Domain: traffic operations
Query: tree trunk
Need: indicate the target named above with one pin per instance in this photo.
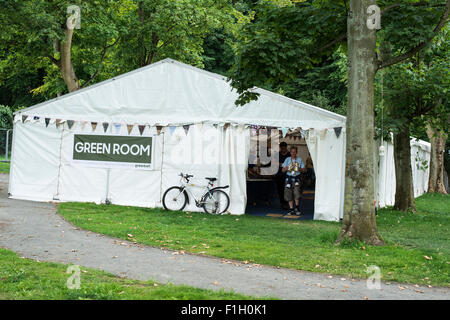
(404, 188)
(65, 63)
(436, 179)
(359, 209)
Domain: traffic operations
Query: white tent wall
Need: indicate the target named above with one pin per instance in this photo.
(420, 158)
(35, 162)
(328, 155)
(420, 164)
(385, 187)
(86, 183)
(207, 151)
(43, 170)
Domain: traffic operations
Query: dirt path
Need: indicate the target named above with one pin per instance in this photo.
(35, 231)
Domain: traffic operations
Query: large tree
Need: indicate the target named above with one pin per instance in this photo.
(43, 33)
(286, 39)
(173, 28)
(416, 95)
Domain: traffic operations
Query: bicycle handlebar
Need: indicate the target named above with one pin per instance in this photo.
(186, 176)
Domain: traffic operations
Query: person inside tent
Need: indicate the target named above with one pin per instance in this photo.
(293, 166)
(310, 171)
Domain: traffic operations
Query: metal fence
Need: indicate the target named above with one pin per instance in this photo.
(5, 144)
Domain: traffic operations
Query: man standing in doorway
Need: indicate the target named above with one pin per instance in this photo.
(293, 166)
(281, 176)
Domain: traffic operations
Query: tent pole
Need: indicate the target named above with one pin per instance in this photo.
(162, 163)
(56, 197)
(107, 200)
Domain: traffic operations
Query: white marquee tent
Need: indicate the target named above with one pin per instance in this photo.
(195, 128)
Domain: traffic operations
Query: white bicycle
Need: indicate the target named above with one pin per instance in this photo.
(213, 201)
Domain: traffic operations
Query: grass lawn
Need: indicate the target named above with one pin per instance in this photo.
(4, 167)
(28, 279)
(417, 250)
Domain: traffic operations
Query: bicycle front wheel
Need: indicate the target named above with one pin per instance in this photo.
(175, 199)
(216, 202)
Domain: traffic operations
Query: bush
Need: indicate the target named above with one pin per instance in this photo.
(6, 117)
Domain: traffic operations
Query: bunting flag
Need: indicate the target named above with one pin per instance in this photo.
(83, 124)
(141, 129)
(117, 126)
(93, 125)
(58, 122)
(36, 118)
(105, 126)
(24, 118)
(284, 131)
(158, 129)
(47, 121)
(226, 126)
(303, 133)
(172, 129)
(337, 131)
(129, 128)
(70, 123)
(186, 129)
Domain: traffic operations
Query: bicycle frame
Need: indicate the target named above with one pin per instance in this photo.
(186, 186)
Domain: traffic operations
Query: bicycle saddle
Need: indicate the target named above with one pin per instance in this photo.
(211, 179)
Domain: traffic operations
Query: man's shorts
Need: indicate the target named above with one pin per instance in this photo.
(292, 193)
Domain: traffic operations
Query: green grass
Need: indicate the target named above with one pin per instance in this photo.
(305, 245)
(28, 279)
(4, 166)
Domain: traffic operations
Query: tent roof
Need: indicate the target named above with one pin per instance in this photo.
(169, 92)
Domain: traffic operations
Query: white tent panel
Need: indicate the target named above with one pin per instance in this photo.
(328, 154)
(420, 164)
(420, 159)
(35, 162)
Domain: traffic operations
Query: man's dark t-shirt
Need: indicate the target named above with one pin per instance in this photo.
(281, 159)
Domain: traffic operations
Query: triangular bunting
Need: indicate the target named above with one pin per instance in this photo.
(226, 126)
(337, 131)
(47, 121)
(141, 129)
(284, 131)
(303, 133)
(93, 125)
(186, 129)
(36, 118)
(129, 128)
(83, 124)
(24, 118)
(70, 123)
(105, 126)
(158, 129)
(117, 127)
(172, 129)
(58, 123)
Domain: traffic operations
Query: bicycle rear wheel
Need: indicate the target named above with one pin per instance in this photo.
(216, 202)
(175, 199)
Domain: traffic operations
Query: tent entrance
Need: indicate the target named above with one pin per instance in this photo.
(264, 191)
